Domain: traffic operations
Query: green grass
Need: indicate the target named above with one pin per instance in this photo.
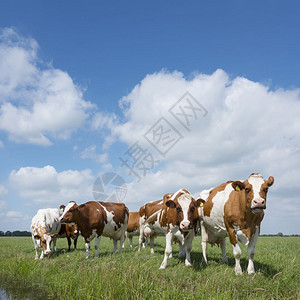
(133, 275)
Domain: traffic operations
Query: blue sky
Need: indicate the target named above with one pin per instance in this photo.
(77, 60)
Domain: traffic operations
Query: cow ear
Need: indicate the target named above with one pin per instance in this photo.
(167, 197)
(238, 186)
(270, 181)
(170, 204)
(62, 207)
(199, 202)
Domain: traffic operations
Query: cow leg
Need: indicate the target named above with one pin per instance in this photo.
(237, 252)
(152, 244)
(204, 239)
(188, 248)
(42, 254)
(145, 244)
(115, 246)
(75, 242)
(54, 245)
(36, 247)
(141, 238)
(87, 249)
(251, 250)
(122, 240)
(223, 248)
(180, 238)
(69, 243)
(96, 245)
(130, 239)
(168, 250)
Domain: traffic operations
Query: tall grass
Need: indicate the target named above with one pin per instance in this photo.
(133, 275)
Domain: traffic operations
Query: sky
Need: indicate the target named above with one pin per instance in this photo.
(137, 99)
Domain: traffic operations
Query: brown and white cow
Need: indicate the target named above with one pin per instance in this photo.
(133, 228)
(44, 229)
(235, 209)
(148, 210)
(68, 231)
(95, 219)
(176, 217)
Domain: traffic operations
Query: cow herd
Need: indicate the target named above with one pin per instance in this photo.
(234, 209)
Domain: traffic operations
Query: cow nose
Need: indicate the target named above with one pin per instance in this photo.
(47, 252)
(259, 202)
(185, 225)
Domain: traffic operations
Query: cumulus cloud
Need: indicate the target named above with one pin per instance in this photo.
(47, 186)
(3, 204)
(37, 104)
(105, 123)
(248, 128)
(13, 214)
(90, 153)
(3, 190)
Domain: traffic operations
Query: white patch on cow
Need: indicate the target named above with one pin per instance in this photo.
(240, 236)
(215, 222)
(67, 208)
(111, 229)
(185, 201)
(204, 194)
(93, 235)
(98, 209)
(175, 194)
(256, 180)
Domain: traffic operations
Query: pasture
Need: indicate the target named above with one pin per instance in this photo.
(133, 275)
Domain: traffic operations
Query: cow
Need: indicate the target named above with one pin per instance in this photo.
(145, 226)
(133, 227)
(68, 231)
(176, 216)
(44, 227)
(95, 219)
(235, 209)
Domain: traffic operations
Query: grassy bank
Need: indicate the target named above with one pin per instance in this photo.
(133, 275)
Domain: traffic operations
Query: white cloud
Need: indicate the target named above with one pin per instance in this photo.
(3, 204)
(105, 121)
(13, 214)
(45, 186)
(37, 104)
(248, 128)
(3, 190)
(90, 152)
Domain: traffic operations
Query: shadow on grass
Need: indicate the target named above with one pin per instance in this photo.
(266, 269)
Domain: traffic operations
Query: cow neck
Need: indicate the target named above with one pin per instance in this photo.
(163, 219)
(250, 217)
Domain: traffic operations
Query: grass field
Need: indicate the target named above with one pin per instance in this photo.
(133, 275)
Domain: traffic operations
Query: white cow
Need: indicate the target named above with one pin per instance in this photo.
(44, 228)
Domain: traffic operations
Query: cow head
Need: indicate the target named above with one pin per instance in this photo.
(44, 240)
(69, 213)
(182, 210)
(73, 230)
(255, 189)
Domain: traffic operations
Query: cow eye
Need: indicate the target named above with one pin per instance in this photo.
(178, 209)
(247, 190)
(192, 209)
(44, 242)
(266, 190)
